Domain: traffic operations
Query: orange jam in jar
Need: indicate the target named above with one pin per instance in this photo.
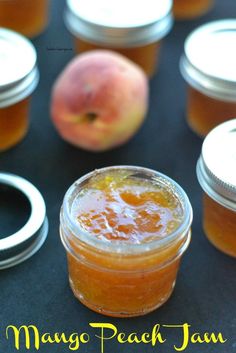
(18, 79)
(190, 9)
(204, 112)
(208, 66)
(28, 17)
(13, 124)
(110, 26)
(125, 230)
(216, 172)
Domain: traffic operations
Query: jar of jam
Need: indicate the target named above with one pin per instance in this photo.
(190, 9)
(208, 66)
(18, 78)
(216, 171)
(133, 28)
(28, 17)
(125, 230)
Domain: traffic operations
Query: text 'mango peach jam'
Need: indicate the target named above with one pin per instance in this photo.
(28, 17)
(125, 230)
(208, 66)
(216, 171)
(190, 9)
(133, 28)
(18, 78)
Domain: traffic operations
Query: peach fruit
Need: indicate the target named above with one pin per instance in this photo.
(100, 100)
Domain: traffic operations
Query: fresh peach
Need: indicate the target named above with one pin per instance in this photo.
(100, 100)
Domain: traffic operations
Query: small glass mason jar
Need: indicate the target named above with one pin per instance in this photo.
(190, 9)
(18, 78)
(216, 171)
(24, 16)
(208, 66)
(119, 278)
(133, 28)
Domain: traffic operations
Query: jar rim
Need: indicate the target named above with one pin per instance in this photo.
(196, 66)
(118, 246)
(115, 34)
(23, 244)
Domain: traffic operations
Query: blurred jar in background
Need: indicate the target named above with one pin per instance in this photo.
(189, 9)
(133, 28)
(216, 171)
(28, 17)
(18, 78)
(209, 67)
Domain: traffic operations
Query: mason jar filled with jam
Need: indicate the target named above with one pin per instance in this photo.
(133, 28)
(191, 9)
(216, 171)
(208, 67)
(28, 17)
(18, 78)
(125, 230)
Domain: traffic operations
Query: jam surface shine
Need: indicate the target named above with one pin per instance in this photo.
(116, 207)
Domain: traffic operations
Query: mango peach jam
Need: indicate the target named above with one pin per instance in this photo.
(216, 172)
(208, 67)
(110, 26)
(125, 230)
(18, 79)
(28, 17)
(186, 10)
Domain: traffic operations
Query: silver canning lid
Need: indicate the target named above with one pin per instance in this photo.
(216, 167)
(208, 63)
(19, 75)
(119, 23)
(20, 246)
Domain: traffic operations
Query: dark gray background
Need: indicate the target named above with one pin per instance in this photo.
(37, 292)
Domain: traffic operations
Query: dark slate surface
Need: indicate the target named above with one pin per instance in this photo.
(37, 292)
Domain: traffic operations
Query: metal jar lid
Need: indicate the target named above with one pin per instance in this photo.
(216, 167)
(20, 246)
(119, 23)
(19, 75)
(208, 62)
